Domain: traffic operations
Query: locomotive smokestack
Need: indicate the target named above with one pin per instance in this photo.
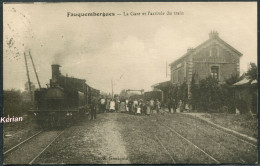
(55, 73)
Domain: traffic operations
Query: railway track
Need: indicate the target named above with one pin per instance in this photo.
(205, 132)
(224, 132)
(181, 136)
(155, 141)
(212, 144)
(31, 148)
(31, 162)
(169, 154)
(158, 141)
(21, 143)
(239, 154)
(232, 135)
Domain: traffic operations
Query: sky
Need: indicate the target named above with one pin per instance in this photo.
(130, 50)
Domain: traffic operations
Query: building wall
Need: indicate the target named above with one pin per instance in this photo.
(226, 62)
(202, 61)
(179, 72)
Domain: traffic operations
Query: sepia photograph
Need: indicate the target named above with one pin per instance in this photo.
(130, 83)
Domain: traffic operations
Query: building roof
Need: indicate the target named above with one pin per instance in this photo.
(245, 81)
(212, 36)
(162, 85)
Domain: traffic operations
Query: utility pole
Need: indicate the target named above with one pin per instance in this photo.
(166, 70)
(35, 70)
(29, 82)
(112, 88)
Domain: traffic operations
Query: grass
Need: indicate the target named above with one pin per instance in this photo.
(243, 123)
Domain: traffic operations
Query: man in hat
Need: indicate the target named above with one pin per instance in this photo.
(93, 110)
(158, 106)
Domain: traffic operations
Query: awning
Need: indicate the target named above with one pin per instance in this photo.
(162, 85)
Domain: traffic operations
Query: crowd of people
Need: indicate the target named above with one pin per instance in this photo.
(131, 106)
(134, 106)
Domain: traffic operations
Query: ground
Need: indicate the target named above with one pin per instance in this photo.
(165, 138)
(15, 133)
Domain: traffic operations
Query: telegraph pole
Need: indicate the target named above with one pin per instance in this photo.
(35, 70)
(166, 70)
(112, 88)
(29, 82)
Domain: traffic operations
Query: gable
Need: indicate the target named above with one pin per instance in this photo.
(214, 39)
(218, 46)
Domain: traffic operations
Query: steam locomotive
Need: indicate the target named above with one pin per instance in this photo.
(66, 98)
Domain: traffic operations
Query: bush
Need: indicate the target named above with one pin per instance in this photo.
(210, 94)
(242, 106)
(195, 92)
(179, 92)
(14, 105)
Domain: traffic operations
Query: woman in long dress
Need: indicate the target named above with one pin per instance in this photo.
(126, 105)
(135, 104)
(107, 105)
(148, 108)
(112, 106)
(139, 107)
(122, 106)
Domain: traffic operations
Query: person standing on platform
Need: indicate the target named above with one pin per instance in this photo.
(135, 104)
(107, 104)
(126, 105)
(174, 105)
(129, 105)
(139, 108)
(158, 106)
(148, 108)
(93, 111)
(180, 106)
(152, 104)
(122, 105)
(169, 104)
(112, 106)
(102, 104)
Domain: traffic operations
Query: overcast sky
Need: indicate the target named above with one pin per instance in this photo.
(131, 50)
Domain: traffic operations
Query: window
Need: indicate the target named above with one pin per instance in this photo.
(215, 72)
(214, 51)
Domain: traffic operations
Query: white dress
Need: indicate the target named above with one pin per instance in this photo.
(138, 110)
(112, 105)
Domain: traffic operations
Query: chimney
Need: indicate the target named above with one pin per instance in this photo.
(213, 34)
(55, 73)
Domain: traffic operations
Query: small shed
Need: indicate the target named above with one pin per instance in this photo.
(246, 95)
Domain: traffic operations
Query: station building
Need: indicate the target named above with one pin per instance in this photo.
(213, 57)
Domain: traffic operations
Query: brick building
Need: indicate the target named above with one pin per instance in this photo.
(214, 57)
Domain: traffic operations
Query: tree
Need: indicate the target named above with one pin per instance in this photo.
(27, 88)
(210, 94)
(123, 93)
(251, 74)
(233, 79)
(12, 102)
(195, 93)
(26, 94)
